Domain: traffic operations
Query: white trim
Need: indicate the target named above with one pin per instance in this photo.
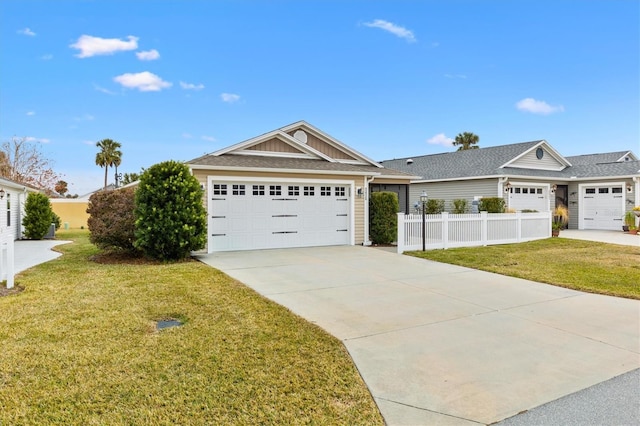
(278, 170)
(274, 154)
(558, 179)
(231, 179)
(581, 187)
(555, 154)
(629, 154)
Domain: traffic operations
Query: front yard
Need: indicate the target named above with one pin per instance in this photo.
(79, 346)
(581, 265)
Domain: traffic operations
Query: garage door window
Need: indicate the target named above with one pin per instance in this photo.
(325, 191)
(294, 191)
(258, 189)
(219, 189)
(603, 190)
(309, 191)
(616, 190)
(275, 190)
(238, 190)
(340, 191)
(590, 191)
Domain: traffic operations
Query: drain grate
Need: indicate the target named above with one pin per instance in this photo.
(162, 324)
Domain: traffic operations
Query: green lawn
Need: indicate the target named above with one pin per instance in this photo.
(79, 346)
(582, 265)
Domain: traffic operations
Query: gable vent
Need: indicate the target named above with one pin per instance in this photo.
(410, 161)
(300, 135)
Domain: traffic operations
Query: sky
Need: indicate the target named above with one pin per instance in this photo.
(173, 80)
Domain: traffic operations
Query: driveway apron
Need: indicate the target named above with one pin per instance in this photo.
(442, 344)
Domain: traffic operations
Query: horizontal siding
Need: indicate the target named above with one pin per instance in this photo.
(450, 191)
(530, 161)
(273, 145)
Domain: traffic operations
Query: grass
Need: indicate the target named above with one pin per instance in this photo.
(79, 346)
(581, 265)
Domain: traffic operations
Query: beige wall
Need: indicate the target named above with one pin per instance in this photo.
(71, 211)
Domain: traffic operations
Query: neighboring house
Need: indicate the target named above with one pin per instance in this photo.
(12, 198)
(596, 188)
(292, 187)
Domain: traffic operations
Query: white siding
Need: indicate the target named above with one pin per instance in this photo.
(530, 161)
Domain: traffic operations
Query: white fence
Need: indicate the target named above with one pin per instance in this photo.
(7, 263)
(467, 230)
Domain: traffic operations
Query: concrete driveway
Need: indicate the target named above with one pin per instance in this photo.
(441, 344)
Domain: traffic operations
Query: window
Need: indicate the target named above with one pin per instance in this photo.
(538, 190)
(258, 189)
(340, 191)
(309, 191)
(294, 191)
(219, 189)
(603, 190)
(8, 209)
(238, 189)
(275, 190)
(590, 191)
(518, 190)
(525, 190)
(616, 190)
(325, 191)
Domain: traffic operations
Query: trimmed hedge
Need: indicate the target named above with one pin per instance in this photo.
(170, 216)
(38, 216)
(111, 221)
(492, 205)
(434, 206)
(383, 214)
(460, 206)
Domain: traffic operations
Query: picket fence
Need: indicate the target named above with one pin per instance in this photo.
(447, 230)
(7, 264)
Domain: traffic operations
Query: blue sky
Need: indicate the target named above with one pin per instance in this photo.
(177, 79)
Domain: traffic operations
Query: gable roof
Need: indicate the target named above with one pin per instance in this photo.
(499, 161)
(285, 150)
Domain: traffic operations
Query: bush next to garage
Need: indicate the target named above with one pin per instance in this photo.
(434, 206)
(38, 216)
(460, 206)
(170, 216)
(491, 205)
(383, 213)
(111, 220)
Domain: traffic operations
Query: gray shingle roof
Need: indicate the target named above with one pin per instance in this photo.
(301, 164)
(488, 161)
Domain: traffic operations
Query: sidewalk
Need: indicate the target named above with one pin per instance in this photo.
(611, 237)
(30, 253)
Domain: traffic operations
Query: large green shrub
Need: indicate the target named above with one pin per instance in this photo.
(434, 206)
(491, 205)
(111, 219)
(383, 214)
(170, 216)
(38, 216)
(460, 206)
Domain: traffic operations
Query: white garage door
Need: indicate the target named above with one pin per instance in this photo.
(602, 207)
(261, 215)
(528, 198)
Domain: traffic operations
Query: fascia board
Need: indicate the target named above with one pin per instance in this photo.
(277, 170)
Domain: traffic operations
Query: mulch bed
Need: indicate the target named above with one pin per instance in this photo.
(9, 291)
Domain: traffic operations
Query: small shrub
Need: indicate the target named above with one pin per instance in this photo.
(38, 215)
(111, 220)
(434, 206)
(383, 209)
(491, 205)
(170, 217)
(460, 206)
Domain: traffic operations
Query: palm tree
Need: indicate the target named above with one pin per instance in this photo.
(466, 140)
(109, 156)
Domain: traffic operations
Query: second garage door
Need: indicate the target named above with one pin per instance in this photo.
(602, 207)
(261, 215)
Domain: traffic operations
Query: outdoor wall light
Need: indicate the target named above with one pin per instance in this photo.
(629, 188)
(553, 188)
(1, 193)
(507, 187)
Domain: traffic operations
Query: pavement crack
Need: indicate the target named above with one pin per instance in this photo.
(430, 411)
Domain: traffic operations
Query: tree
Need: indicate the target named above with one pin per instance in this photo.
(466, 140)
(38, 216)
(383, 213)
(61, 187)
(109, 156)
(131, 177)
(22, 161)
(112, 221)
(170, 217)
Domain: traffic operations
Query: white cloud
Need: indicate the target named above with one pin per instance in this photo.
(440, 139)
(47, 57)
(191, 86)
(143, 81)
(31, 113)
(538, 107)
(41, 140)
(27, 32)
(392, 28)
(103, 90)
(92, 46)
(148, 55)
(229, 97)
(90, 143)
(208, 138)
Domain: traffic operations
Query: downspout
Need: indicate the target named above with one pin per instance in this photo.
(367, 241)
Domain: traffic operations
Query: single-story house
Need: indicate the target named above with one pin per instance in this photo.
(596, 188)
(295, 186)
(12, 198)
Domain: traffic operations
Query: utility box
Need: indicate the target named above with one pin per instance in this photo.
(52, 232)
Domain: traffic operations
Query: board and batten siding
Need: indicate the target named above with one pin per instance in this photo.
(274, 145)
(530, 161)
(452, 190)
(358, 181)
